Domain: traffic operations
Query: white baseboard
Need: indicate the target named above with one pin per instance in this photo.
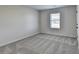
(17, 39)
(61, 35)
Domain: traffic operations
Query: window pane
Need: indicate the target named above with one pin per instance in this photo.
(54, 25)
(55, 20)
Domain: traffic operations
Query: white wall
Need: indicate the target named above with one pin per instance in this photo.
(68, 22)
(17, 22)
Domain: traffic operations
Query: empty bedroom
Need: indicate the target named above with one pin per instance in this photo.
(39, 29)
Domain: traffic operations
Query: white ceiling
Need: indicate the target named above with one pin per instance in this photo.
(43, 7)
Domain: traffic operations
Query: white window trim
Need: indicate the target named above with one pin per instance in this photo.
(51, 20)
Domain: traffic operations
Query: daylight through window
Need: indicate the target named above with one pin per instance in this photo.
(55, 20)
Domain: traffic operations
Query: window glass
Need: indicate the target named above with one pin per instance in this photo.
(55, 20)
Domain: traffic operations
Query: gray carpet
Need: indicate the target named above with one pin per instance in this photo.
(42, 44)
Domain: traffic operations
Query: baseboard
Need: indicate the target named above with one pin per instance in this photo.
(17, 39)
(58, 35)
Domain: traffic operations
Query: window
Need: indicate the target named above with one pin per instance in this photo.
(55, 20)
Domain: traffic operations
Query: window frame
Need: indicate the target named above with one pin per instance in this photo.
(51, 20)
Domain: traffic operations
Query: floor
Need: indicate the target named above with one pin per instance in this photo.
(42, 44)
